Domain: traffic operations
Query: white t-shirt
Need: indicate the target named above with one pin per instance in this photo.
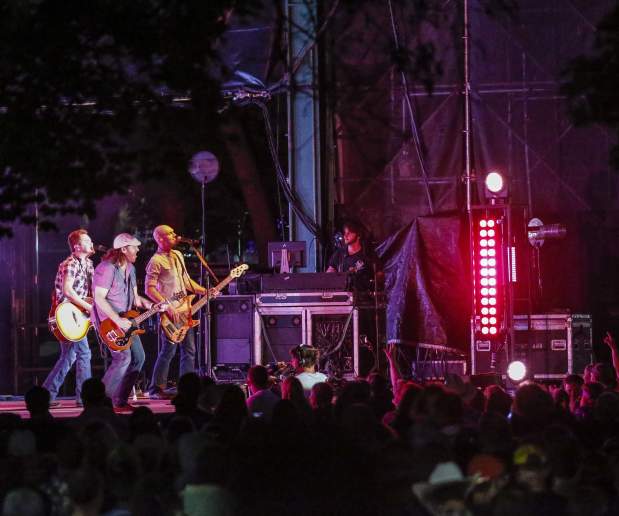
(308, 380)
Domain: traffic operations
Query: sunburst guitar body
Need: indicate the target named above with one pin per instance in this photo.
(176, 331)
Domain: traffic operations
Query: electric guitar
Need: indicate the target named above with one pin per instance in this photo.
(116, 338)
(67, 321)
(176, 332)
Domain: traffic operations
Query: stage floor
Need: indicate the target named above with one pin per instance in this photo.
(68, 409)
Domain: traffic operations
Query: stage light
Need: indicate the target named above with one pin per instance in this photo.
(516, 371)
(494, 182)
(495, 187)
(487, 268)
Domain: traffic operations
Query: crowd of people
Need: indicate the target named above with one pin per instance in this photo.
(369, 446)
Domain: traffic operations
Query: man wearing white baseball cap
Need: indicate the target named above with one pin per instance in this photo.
(115, 290)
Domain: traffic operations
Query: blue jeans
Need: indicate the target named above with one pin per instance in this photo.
(123, 372)
(167, 350)
(70, 352)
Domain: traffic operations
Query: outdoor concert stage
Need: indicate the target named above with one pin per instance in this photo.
(67, 408)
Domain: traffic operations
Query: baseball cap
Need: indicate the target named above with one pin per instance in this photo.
(125, 239)
(529, 456)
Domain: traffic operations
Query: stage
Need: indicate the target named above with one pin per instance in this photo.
(67, 408)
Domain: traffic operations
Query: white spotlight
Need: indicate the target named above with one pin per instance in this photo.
(516, 371)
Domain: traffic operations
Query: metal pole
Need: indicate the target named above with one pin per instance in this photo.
(204, 358)
(467, 111)
(467, 172)
(525, 112)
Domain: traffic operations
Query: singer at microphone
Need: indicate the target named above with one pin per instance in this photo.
(185, 240)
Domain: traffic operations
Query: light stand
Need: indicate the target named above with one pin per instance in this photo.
(204, 168)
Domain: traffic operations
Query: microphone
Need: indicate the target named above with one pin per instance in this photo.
(190, 241)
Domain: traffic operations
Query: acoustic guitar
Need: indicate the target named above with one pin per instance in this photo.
(67, 321)
(176, 332)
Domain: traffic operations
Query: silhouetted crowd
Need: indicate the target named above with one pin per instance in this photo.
(350, 449)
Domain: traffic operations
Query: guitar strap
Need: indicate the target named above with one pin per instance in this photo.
(184, 272)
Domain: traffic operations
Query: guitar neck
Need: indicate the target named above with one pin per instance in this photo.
(146, 315)
(221, 285)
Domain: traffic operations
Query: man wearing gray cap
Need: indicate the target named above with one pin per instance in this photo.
(115, 290)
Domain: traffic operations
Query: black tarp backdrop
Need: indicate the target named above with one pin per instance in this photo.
(427, 282)
(520, 126)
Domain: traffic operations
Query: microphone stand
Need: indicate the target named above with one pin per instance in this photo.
(207, 317)
(204, 359)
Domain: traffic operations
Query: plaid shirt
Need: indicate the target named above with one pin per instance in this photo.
(80, 275)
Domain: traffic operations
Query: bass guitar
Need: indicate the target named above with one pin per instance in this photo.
(176, 332)
(116, 338)
(67, 321)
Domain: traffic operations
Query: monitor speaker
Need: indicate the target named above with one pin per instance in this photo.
(280, 333)
(232, 320)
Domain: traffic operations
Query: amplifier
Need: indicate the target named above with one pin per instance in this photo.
(553, 345)
(308, 281)
(332, 328)
(321, 298)
(230, 373)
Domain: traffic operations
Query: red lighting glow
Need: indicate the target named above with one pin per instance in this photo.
(488, 276)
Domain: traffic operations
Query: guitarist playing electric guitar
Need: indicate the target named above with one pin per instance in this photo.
(116, 292)
(166, 277)
(73, 284)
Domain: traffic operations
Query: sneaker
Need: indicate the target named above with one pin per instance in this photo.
(170, 391)
(160, 395)
(125, 408)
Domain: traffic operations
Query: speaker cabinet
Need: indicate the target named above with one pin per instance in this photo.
(279, 330)
(334, 330)
(232, 319)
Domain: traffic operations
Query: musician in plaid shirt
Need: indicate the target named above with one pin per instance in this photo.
(73, 283)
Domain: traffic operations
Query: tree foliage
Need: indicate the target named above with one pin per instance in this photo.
(86, 96)
(592, 81)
